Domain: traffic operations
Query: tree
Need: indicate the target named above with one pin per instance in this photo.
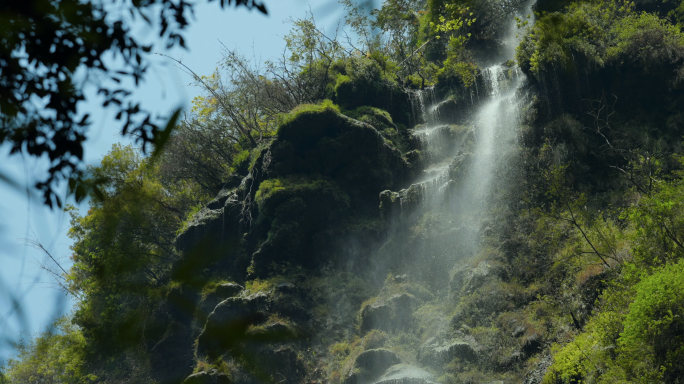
(54, 356)
(51, 49)
(123, 248)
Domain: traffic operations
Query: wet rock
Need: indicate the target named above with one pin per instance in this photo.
(510, 362)
(202, 224)
(220, 200)
(376, 361)
(518, 331)
(402, 203)
(232, 181)
(389, 314)
(376, 316)
(285, 287)
(457, 281)
(389, 205)
(370, 365)
(484, 272)
(368, 90)
(229, 321)
(404, 305)
(415, 159)
(181, 303)
(402, 278)
(353, 154)
(280, 364)
(274, 332)
(457, 320)
(276, 328)
(452, 111)
(460, 165)
(209, 377)
(301, 217)
(208, 303)
(435, 354)
(405, 374)
(440, 142)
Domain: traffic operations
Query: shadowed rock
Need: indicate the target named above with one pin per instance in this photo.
(393, 313)
(229, 321)
(227, 290)
(371, 364)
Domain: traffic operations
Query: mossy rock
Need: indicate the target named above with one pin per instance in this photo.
(228, 324)
(395, 134)
(389, 313)
(318, 140)
(300, 215)
(364, 85)
(376, 117)
(212, 236)
(371, 364)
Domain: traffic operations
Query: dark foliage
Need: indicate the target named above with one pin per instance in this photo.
(42, 45)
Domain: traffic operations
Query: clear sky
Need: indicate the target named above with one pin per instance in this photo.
(22, 215)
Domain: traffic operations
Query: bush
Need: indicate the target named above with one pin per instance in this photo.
(652, 344)
(601, 33)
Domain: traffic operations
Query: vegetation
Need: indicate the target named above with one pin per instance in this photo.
(43, 43)
(58, 355)
(255, 234)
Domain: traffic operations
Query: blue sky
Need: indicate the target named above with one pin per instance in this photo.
(22, 215)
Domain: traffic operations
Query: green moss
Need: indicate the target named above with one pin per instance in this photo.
(342, 358)
(271, 189)
(241, 163)
(307, 110)
(342, 81)
(263, 285)
(268, 188)
(604, 33)
(262, 330)
(376, 117)
(189, 218)
(210, 286)
(415, 82)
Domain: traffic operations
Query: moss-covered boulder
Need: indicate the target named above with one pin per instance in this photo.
(227, 325)
(361, 83)
(212, 236)
(319, 140)
(393, 309)
(396, 135)
(300, 215)
(371, 364)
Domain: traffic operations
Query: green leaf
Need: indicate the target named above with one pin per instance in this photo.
(161, 137)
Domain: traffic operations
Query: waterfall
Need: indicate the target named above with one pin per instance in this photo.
(468, 167)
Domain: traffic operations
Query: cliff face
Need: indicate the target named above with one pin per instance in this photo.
(457, 235)
(312, 269)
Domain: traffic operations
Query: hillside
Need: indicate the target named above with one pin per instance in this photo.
(474, 192)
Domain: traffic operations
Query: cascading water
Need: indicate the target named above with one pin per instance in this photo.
(467, 150)
(468, 166)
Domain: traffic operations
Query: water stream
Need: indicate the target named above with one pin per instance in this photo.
(468, 166)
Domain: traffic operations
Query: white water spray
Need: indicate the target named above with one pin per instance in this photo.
(476, 171)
